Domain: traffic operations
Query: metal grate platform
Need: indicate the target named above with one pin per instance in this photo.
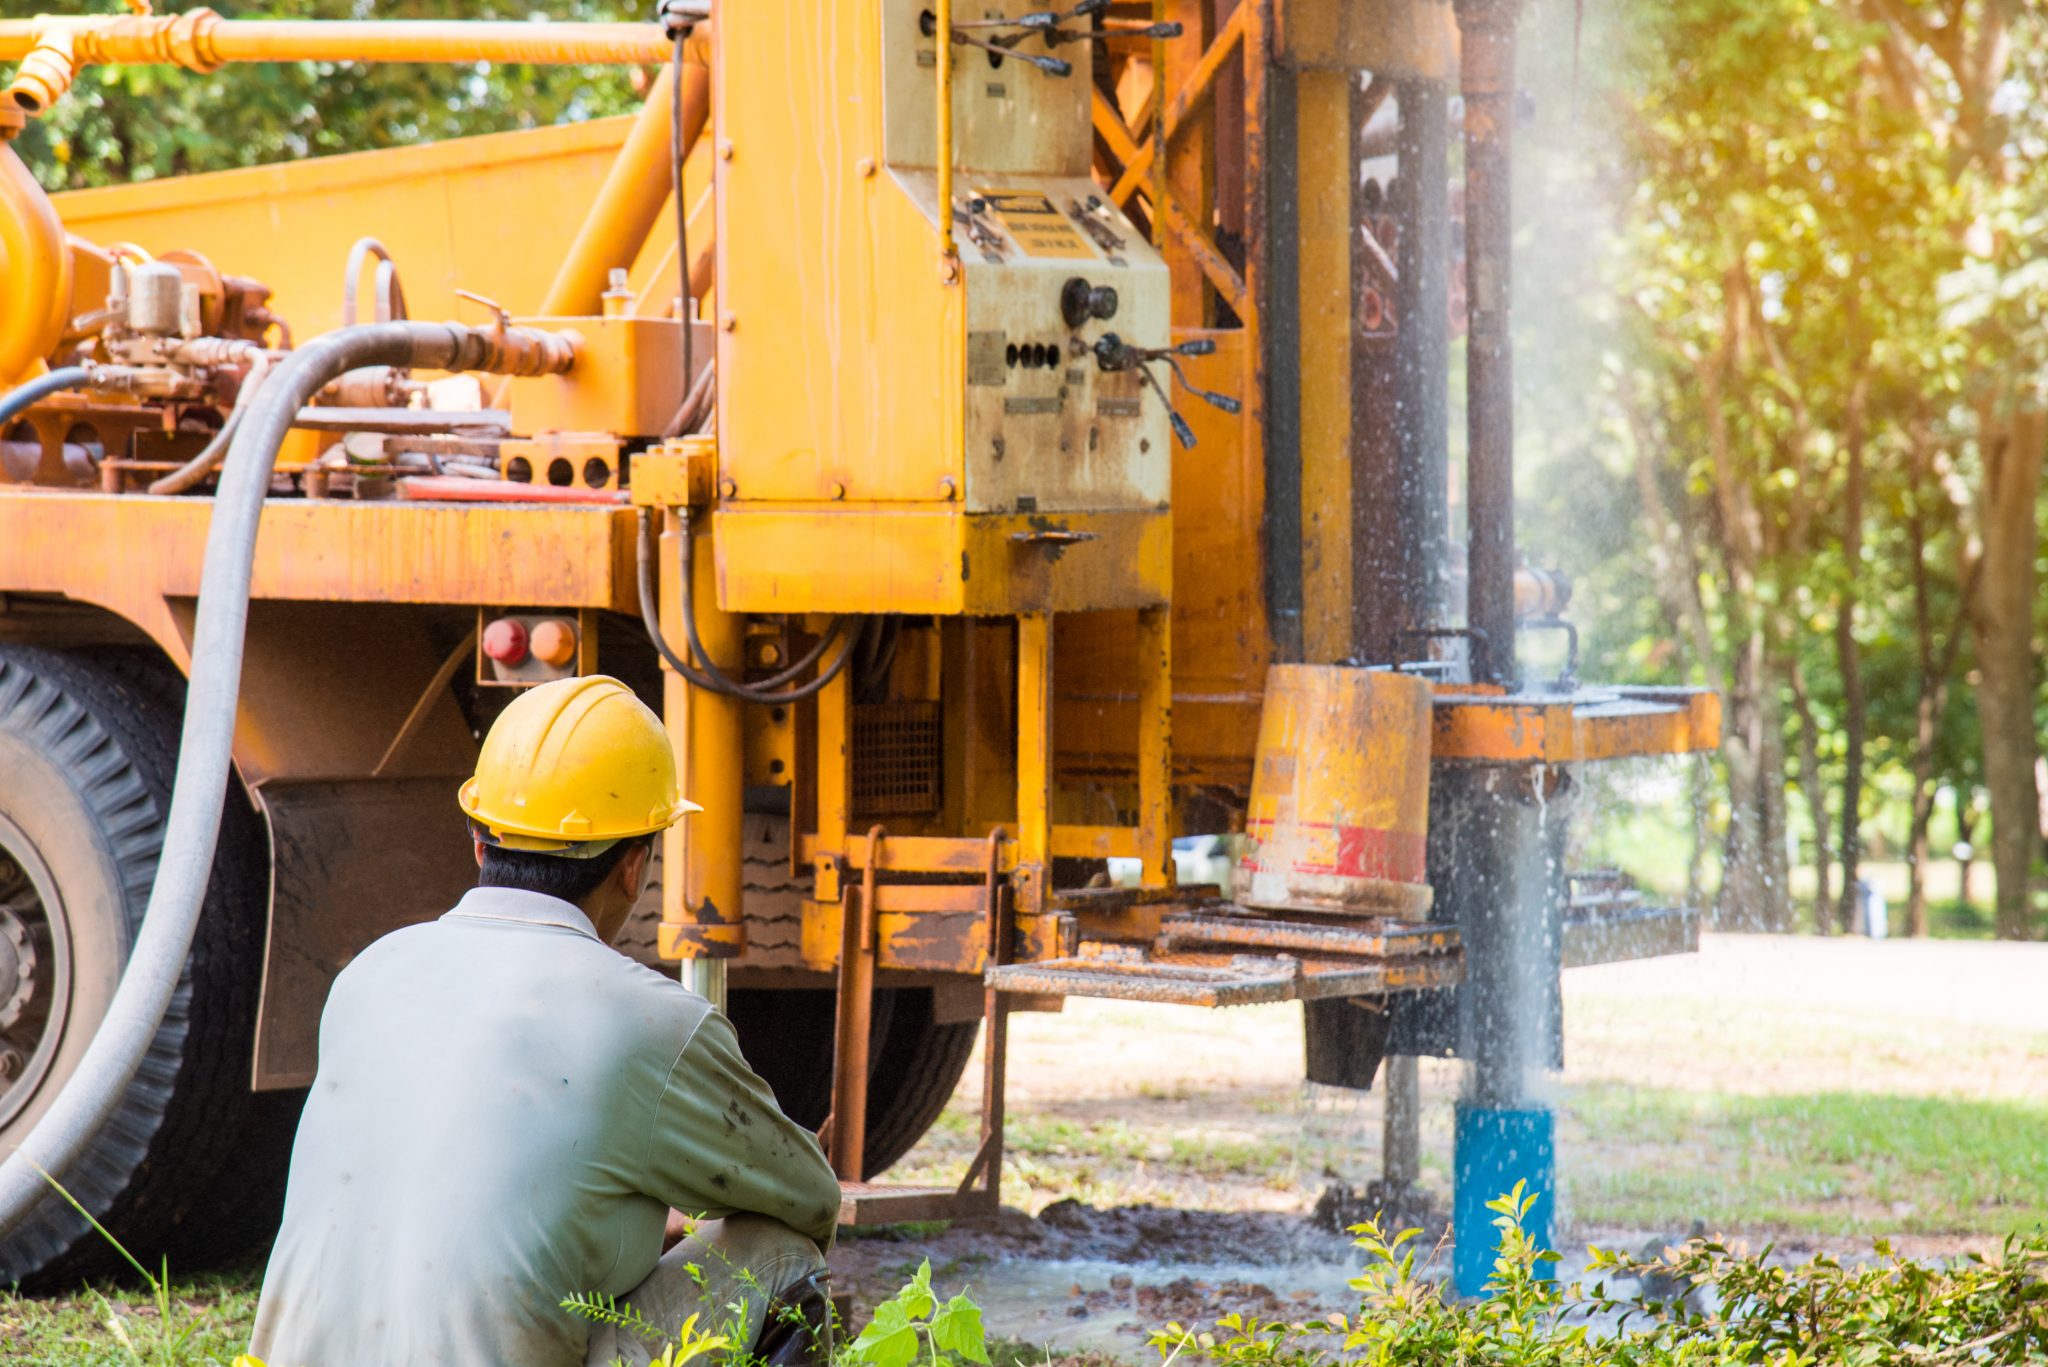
(876, 1203)
(1219, 954)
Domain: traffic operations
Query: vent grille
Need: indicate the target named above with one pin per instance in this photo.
(896, 749)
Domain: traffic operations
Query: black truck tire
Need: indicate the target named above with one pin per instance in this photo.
(914, 1061)
(190, 1165)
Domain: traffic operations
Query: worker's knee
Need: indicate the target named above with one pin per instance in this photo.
(775, 1255)
(751, 1279)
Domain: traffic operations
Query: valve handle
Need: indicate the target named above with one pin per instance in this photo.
(1113, 353)
(1051, 66)
(1208, 396)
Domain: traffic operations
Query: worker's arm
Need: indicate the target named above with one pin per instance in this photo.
(722, 1145)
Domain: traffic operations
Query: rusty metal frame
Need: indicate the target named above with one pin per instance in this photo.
(980, 1187)
(854, 1022)
(1138, 165)
(987, 1167)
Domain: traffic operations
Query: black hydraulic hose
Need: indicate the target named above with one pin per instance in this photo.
(205, 747)
(36, 390)
(737, 687)
(711, 678)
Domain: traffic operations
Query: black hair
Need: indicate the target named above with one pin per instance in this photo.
(572, 880)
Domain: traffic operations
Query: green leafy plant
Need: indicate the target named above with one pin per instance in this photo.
(913, 1325)
(688, 1344)
(1700, 1304)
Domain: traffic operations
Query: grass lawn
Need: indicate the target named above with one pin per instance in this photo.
(119, 1326)
(1833, 1164)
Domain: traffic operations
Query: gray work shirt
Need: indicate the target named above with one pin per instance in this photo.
(505, 1111)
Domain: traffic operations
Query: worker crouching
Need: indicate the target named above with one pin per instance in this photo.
(508, 1112)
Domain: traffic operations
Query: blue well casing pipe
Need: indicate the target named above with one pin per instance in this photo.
(1496, 1149)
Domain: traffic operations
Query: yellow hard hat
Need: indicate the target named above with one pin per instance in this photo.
(574, 763)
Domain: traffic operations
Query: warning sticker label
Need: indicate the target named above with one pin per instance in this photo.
(1039, 228)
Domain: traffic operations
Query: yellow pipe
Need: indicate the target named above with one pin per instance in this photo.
(629, 203)
(200, 40)
(714, 762)
(35, 270)
(943, 29)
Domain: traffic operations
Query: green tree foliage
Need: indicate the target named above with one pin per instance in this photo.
(1828, 317)
(123, 124)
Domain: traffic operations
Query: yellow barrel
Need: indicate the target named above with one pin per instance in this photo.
(1339, 818)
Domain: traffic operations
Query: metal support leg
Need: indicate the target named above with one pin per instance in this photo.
(1034, 760)
(1401, 1152)
(987, 1168)
(701, 913)
(855, 1020)
(835, 783)
(1508, 900)
(1155, 746)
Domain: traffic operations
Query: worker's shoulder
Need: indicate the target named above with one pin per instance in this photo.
(654, 991)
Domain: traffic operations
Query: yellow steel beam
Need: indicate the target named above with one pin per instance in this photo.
(340, 551)
(1327, 233)
(627, 206)
(1155, 746)
(894, 557)
(1600, 724)
(1110, 125)
(1034, 740)
(969, 854)
(1207, 255)
(834, 782)
(1188, 99)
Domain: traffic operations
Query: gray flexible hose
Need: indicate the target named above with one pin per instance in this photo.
(194, 471)
(205, 749)
(36, 390)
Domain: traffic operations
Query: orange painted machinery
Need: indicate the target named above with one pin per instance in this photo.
(950, 421)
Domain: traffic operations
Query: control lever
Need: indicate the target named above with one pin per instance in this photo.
(1197, 346)
(1055, 37)
(968, 213)
(1113, 353)
(928, 25)
(1048, 25)
(1048, 22)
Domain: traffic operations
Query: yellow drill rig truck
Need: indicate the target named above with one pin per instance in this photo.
(999, 440)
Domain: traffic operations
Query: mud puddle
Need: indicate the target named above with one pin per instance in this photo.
(1076, 1279)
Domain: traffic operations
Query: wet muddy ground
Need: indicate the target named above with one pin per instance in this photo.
(1165, 1164)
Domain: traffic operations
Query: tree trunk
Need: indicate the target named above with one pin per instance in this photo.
(1816, 793)
(1774, 913)
(1699, 785)
(1937, 667)
(2003, 622)
(1849, 658)
(1916, 853)
(1752, 870)
(1739, 906)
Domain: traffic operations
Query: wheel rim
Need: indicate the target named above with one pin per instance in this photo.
(35, 971)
